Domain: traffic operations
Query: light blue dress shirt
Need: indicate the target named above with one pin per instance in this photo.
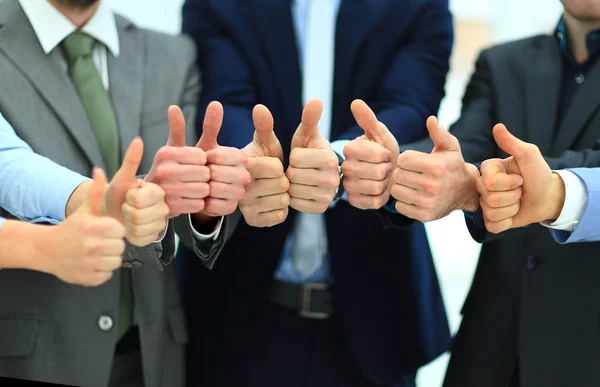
(286, 271)
(32, 187)
(587, 228)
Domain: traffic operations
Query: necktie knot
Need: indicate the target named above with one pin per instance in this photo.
(77, 45)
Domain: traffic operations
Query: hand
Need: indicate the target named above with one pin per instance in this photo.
(430, 186)
(228, 174)
(266, 201)
(180, 170)
(136, 204)
(369, 160)
(86, 248)
(519, 190)
(314, 167)
(145, 213)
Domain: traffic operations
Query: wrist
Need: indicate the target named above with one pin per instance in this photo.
(469, 200)
(25, 246)
(556, 200)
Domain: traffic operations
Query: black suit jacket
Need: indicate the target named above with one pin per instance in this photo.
(392, 54)
(532, 301)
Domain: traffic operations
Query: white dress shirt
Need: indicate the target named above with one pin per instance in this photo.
(52, 27)
(576, 199)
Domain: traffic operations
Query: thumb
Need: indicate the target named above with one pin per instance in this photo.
(264, 134)
(509, 143)
(96, 192)
(367, 120)
(213, 120)
(309, 126)
(131, 163)
(176, 126)
(442, 139)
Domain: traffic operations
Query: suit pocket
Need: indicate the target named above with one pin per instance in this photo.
(177, 325)
(18, 335)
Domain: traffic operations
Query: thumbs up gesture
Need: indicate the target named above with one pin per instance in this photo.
(87, 247)
(314, 167)
(369, 160)
(140, 206)
(266, 201)
(180, 170)
(519, 190)
(228, 174)
(429, 186)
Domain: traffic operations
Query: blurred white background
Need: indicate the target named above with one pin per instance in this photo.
(477, 24)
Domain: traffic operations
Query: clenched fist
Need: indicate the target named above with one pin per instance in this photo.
(369, 161)
(519, 190)
(313, 173)
(86, 248)
(266, 201)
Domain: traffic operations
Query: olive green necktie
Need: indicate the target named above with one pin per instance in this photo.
(99, 109)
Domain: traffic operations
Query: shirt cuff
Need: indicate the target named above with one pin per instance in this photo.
(576, 199)
(161, 236)
(60, 195)
(338, 147)
(203, 237)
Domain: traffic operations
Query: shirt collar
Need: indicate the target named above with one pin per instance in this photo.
(592, 42)
(52, 27)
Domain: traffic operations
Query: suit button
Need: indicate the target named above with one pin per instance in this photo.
(105, 323)
(532, 262)
(137, 264)
(127, 265)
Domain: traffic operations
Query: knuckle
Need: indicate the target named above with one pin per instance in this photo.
(284, 184)
(347, 168)
(294, 157)
(437, 171)
(432, 187)
(285, 200)
(490, 181)
(332, 162)
(381, 171)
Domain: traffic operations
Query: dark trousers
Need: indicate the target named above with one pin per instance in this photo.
(127, 368)
(291, 351)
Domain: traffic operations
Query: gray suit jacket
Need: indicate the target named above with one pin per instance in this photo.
(50, 330)
(533, 303)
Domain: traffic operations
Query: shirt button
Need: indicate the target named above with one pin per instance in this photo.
(560, 35)
(579, 78)
(105, 323)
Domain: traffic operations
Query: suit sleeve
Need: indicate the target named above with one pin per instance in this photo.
(413, 85)
(226, 75)
(207, 250)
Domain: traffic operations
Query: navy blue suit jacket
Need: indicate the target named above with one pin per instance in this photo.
(395, 56)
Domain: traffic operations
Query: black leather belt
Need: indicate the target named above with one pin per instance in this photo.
(312, 301)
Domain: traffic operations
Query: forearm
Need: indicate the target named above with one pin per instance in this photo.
(77, 198)
(22, 245)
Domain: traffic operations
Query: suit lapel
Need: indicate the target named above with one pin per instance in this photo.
(21, 46)
(542, 88)
(275, 27)
(355, 20)
(585, 102)
(126, 82)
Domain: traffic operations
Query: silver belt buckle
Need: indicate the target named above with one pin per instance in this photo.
(306, 301)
